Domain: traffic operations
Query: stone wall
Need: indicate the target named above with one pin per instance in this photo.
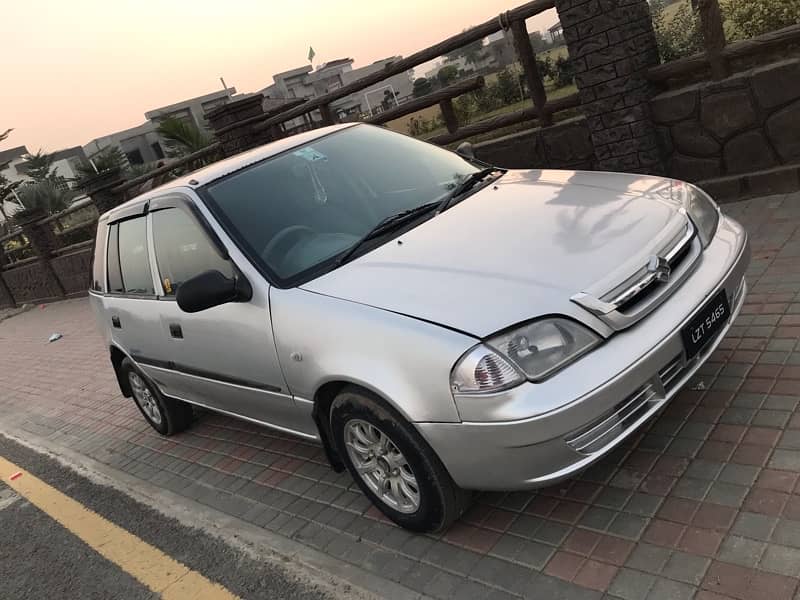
(747, 123)
(566, 145)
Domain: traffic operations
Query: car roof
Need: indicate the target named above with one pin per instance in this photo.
(226, 166)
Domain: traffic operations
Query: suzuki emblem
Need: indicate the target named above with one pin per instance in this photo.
(659, 266)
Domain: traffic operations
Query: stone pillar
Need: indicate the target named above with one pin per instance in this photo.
(611, 44)
(233, 124)
(43, 242)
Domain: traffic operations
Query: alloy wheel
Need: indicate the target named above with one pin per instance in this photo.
(382, 466)
(144, 398)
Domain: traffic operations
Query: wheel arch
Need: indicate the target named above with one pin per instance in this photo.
(323, 399)
(117, 356)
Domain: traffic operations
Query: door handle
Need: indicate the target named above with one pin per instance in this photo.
(116, 322)
(175, 330)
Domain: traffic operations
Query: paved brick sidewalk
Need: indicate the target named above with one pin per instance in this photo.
(705, 504)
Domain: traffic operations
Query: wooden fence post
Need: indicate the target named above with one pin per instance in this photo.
(449, 114)
(522, 43)
(713, 37)
(328, 116)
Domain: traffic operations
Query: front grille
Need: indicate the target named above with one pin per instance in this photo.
(641, 292)
(614, 423)
(655, 286)
(671, 374)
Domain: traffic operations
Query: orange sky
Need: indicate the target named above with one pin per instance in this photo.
(76, 70)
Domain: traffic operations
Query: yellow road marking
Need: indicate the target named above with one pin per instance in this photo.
(153, 568)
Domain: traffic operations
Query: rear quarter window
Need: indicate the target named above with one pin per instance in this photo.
(98, 266)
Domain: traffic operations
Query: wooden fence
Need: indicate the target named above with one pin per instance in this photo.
(718, 54)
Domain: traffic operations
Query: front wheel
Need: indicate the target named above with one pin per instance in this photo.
(393, 465)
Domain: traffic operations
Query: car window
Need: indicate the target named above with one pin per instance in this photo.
(98, 281)
(305, 206)
(114, 274)
(133, 261)
(183, 250)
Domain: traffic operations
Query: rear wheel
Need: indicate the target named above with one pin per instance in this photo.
(392, 464)
(165, 415)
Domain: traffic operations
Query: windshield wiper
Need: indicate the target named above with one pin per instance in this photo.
(469, 182)
(388, 224)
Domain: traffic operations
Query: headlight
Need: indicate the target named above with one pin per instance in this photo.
(702, 210)
(537, 350)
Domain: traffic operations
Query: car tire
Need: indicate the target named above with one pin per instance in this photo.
(399, 463)
(166, 415)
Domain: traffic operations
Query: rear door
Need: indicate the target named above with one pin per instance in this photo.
(223, 358)
(130, 306)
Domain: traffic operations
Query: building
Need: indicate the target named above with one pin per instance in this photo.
(556, 34)
(142, 144)
(305, 82)
(378, 97)
(14, 164)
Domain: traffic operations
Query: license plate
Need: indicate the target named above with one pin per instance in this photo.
(706, 324)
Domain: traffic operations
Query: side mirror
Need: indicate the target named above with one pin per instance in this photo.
(466, 150)
(210, 289)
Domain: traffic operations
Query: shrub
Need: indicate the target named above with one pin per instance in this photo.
(565, 72)
(679, 36)
(749, 18)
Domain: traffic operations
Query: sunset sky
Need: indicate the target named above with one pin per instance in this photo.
(73, 71)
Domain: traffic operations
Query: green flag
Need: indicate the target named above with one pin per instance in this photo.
(311, 54)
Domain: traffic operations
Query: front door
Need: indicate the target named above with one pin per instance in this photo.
(224, 357)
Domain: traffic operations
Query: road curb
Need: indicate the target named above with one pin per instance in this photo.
(338, 576)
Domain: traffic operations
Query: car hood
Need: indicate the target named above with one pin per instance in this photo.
(515, 250)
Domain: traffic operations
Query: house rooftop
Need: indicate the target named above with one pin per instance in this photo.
(11, 154)
(157, 112)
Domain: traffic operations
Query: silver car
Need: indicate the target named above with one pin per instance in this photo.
(438, 324)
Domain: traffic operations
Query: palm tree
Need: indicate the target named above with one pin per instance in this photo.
(108, 159)
(43, 196)
(181, 137)
(4, 135)
(39, 165)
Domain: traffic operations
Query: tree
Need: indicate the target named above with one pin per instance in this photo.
(546, 67)
(679, 36)
(181, 137)
(754, 17)
(508, 86)
(6, 189)
(44, 195)
(108, 159)
(471, 52)
(4, 135)
(447, 75)
(39, 165)
(565, 72)
(422, 87)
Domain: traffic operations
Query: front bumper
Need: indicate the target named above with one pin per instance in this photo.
(566, 436)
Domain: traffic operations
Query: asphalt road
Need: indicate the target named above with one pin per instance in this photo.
(41, 559)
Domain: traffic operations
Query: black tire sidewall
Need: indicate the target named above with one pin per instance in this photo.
(167, 425)
(432, 512)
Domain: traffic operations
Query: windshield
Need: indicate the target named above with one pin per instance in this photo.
(294, 213)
